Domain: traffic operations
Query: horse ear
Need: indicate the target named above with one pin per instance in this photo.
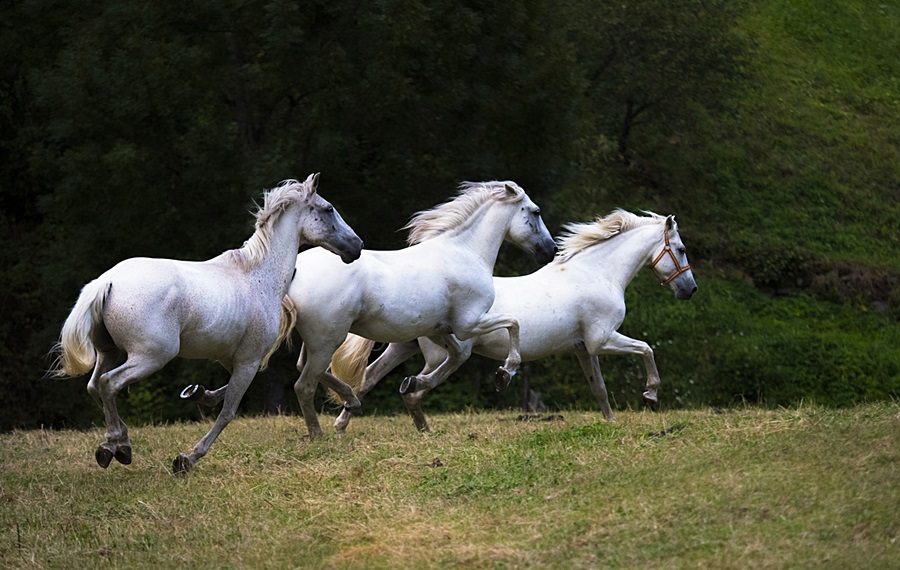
(511, 190)
(670, 223)
(314, 182)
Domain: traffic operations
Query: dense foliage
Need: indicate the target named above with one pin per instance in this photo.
(771, 130)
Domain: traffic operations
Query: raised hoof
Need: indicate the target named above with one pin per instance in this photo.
(353, 409)
(650, 402)
(193, 393)
(408, 385)
(182, 464)
(502, 379)
(103, 455)
(123, 454)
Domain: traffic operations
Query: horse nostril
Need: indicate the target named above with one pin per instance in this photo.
(694, 290)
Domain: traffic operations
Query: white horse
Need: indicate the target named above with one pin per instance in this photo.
(438, 287)
(132, 320)
(575, 304)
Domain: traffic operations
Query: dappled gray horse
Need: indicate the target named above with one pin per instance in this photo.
(132, 320)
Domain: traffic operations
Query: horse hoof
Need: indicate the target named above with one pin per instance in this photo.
(408, 385)
(123, 454)
(182, 464)
(193, 393)
(501, 379)
(650, 401)
(103, 455)
(353, 409)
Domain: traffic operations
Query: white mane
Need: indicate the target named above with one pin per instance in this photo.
(275, 201)
(580, 236)
(453, 213)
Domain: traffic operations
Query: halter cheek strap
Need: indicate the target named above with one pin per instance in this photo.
(678, 268)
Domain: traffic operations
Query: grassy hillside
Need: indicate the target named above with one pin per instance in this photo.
(789, 204)
(741, 488)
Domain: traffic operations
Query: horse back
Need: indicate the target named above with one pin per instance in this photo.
(195, 309)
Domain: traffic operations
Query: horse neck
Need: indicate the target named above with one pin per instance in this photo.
(485, 230)
(621, 258)
(277, 266)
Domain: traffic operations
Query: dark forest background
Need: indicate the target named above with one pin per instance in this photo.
(769, 128)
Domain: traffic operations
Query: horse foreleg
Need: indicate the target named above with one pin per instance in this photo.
(237, 385)
(413, 400)
(591, 367)
(312, 366)
(621, 344)
(352, 404)
(443, 356)
(198, 394)
(490, 323)
(393, 355)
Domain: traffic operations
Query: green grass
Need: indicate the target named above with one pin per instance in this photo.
(803, 487)
(820, 164)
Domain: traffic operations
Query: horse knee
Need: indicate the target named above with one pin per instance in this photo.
(305, 390)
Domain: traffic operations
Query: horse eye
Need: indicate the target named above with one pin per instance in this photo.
(537, 212)
(682, 251)
(329, 209)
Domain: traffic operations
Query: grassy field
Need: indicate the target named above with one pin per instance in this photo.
(804, 487)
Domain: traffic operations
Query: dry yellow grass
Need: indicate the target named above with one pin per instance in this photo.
(749, 488)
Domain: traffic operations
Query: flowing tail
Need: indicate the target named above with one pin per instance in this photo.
(286, 324)
(77, 353)
(349, 363)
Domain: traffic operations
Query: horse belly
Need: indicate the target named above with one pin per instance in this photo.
(543, 310)
(400, 324)
(536, 341)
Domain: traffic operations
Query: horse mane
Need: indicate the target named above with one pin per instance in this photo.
(275, 202)
(453, 213)
(580, 236)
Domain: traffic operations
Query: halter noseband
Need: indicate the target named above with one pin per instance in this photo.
(678, 268)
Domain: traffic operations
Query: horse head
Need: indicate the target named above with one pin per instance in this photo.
(527, 229)
(322, 225)
(671, 265)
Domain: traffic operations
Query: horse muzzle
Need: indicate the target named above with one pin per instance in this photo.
(348, 250)
(544, 253)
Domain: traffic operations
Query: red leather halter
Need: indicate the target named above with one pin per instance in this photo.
(678, 268)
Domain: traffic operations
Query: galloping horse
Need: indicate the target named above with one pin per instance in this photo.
(575, 304)
(132, 320)
(439, 287)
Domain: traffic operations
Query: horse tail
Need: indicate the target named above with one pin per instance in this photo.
(77, 353)
(286, 323)
(349, 361)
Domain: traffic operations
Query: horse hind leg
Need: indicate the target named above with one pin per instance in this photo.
(107, 360)
(107, 385)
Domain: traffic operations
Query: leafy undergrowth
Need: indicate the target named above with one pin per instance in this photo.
(741, 488)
